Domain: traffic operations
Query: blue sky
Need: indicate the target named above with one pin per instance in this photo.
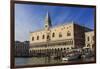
(30, 17)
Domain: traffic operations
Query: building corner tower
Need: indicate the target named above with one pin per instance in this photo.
(47, 22)
(47, 26)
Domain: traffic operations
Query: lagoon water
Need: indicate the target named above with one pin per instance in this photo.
(44, 60)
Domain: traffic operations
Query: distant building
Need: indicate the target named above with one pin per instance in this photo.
(58, 38)
(90, 40)
(21, 48)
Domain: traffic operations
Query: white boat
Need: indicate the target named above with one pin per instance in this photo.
(65, 59)
(72, 56)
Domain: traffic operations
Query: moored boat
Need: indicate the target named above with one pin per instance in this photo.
(72, 56)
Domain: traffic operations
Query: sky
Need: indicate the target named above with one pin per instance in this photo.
(29, 17)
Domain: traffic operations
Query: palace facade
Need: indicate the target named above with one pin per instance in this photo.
(53, 39)
(90, 40)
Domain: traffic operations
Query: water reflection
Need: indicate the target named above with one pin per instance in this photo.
(45, 60)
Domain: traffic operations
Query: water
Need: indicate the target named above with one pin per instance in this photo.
(44, 60)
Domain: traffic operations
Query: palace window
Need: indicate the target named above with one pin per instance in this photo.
(88, 45)
(88, 38)
(32, 38)
(48, 37)
(53, 35)
(60, 35)
(43, 37)
(68, 33)
(37, 37)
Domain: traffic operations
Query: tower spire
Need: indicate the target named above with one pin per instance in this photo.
(47, 21)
